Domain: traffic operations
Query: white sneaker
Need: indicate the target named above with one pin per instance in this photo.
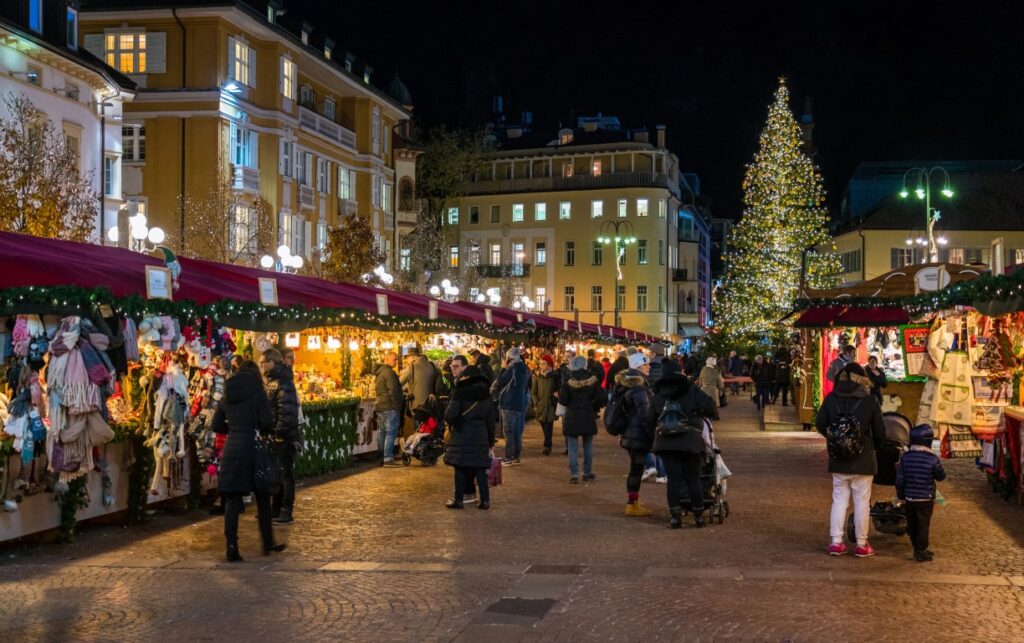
(469, 498)
(661, 479)
(649, 473)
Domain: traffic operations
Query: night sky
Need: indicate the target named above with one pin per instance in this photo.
(890, 80)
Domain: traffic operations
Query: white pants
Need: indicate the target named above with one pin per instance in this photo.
(843, 485)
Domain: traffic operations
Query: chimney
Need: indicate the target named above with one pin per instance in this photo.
(641, 135)
(661, 136)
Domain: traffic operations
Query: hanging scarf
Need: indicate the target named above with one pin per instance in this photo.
(99, 373)
(131, 340)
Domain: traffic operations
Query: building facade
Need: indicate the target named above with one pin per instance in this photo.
(41, 58)
(538, 227)
(245, 93)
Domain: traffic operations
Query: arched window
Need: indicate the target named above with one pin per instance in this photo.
(406, 199)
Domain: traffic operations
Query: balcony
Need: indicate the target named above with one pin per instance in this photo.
(577, 182)
(347, 207)
(313, 122)
(507, 270)
(306, 197)
(389, 221)
(245, 179)
(681, 274)
(407, 218)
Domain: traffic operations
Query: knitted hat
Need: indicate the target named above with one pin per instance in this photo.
(636, 360)
(550, 360)
(578, 363)
(922, 435)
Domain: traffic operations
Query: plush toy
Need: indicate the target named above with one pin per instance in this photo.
(171, 261)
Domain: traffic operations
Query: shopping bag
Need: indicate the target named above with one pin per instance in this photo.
(560, 410)
(494, 473)
(723, 471)
(266, 471)
(723, 400)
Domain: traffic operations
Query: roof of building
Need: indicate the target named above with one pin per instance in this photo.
(979, 202)
(547, 138)
(397, 90)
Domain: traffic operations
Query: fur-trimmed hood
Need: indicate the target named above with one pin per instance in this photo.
(473, 388)
(630, 378)
(673, 386)
(582, 379)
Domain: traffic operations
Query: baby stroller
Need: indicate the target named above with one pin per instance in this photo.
(712, 480)
(427, 444)
(888, 516)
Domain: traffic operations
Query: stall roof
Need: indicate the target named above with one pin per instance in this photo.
(839, 315)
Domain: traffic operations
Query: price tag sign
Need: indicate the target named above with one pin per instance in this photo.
(382, 304)
(519, 317)
(488, 317)
(158, 283)
(599, 329)
(432, 309)
(565, 325)
(268, 291)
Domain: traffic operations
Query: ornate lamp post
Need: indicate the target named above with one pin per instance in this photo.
(619, 233)
(923, 192)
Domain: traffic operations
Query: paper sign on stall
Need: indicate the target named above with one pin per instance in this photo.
(579, 327)
(599, 329)
(158, 283)
(432, 310)
(565, 325)
(268, 291)
(519, 317)
(382, 304)
(488, 317)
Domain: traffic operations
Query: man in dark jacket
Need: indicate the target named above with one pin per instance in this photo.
(483, 362)
(583, 397)
(637, 437)
(472, 417)
(764, 379)
(657, 361)
(852, 396)
(734, 369)
(284, 408)
(512, 390)
(418, 379)
(782, 376)
(915, 482)
(594, 366)
(388, 406)
(620, 364)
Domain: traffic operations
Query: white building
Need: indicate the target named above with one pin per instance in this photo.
(40, 58)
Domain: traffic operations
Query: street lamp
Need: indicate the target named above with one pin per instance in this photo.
(139, 233)
(285, 262)
(923, 191)
(619, 233)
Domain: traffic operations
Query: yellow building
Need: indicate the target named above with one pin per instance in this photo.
(982, 223)
(291, 121)
(537, 228)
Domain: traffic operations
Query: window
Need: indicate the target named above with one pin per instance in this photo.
(569, 301)
(661, 252)
(405, 259)
(286, 161)
(623, 206)
(564, 211)
(72, 35)
(570, 253)
(900, 257)
(242, 144)
(346, 179)
(304, 164)
(453, 257)
(641, 252)
(953, 255)
(540, 212)
(241, 239)
(595, 298)
(375, 129)
(375, 193)
(597, 253)
(641, 208)
(596, 209)
(109, 165)
(474, 214)
(850, 261)
(1017, 255)
(977, 255)
(474, 252)
(329, 109)
(621, 296)
(567, 169)
(453, 216)
(518, 254)
(126, 51)
(406, 195)
(595, 168)
(289, 78)
(541, 298)
(323, 176)
(321, 235)
(241, 61)
(495, 214)
(307, 97)
(71, 91)
(661, 208)
(133, 142)
(641, 298)
(495, 254)
(517, 212)
(661, 299)
(540, 254)
(73, 140)
(35, 15)
(385, 196)
(34, 75)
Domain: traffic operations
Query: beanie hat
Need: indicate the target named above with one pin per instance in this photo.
(578, 363)
(636, 360)
(922, 435)
(550, 360)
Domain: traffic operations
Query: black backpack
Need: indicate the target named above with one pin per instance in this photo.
(673, 421)
(615, 420)
(844, 435)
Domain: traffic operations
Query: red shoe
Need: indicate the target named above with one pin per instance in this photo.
(863, 551)
(836, 549)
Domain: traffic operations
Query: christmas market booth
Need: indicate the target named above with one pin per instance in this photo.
(953, 355)
(112, 363)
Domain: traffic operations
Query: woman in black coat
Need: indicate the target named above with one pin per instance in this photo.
(472, 417)
(682, 453)
(583, 397)
(243, 413)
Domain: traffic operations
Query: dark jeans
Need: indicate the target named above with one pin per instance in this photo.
(233, 507)
(548, 428)
(761, 395)
(784, 389)
(285, 498)
(919, 522)
(464, 477)
(683, 469)
(637, 461)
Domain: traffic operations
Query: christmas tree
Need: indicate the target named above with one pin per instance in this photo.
(783, 215)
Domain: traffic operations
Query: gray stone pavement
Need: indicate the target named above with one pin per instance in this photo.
(374, 555)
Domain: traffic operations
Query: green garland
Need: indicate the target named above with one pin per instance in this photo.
(138, 479)
(70, 502)
(331, 433)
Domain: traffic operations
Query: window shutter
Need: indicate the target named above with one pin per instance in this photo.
(231, 58)
(327, 178)
(254, 148)
(280, 75)
(308, 237)
(156, 52)
(251, 81)
(280, 156)
(93, 43)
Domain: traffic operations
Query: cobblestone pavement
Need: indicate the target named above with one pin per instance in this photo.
(374, 555)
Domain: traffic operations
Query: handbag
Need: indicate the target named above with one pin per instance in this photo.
(723, 400)
(494, 472)
(560, 410)
(266, 472)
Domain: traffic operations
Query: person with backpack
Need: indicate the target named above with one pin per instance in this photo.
(677, 421)
(583, 398)
(626, 417)
(851, 421)
(511, 389)
(915, 483)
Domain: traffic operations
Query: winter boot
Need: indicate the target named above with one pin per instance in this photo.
(698, 520)
(637, 510)
(233, 555)
(675, 517)
(285, 518)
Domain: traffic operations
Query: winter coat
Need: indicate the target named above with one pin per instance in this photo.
(637, 406)
(692, 400)
(657, 365)
(389, 390)
(595, 369)
(284, 403)
(542, 393)
(583, 397)
(782, 372)
(916, 474)
(620, 364)
(242, 413)
(762, 374)
(483, 362)
(711, 382)
(842, 399)
(472, 417)
(878, 382)
(512, 387)
(735, 366)
(418, 381)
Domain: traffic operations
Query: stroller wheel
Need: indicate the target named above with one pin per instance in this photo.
(406, 460)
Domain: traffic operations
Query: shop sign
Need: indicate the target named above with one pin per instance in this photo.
(565, 325)
(488, 317)
(268, 291)
(432, 310)
(382, 304)
(931, 279)
(519, 317)
(158, 283)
